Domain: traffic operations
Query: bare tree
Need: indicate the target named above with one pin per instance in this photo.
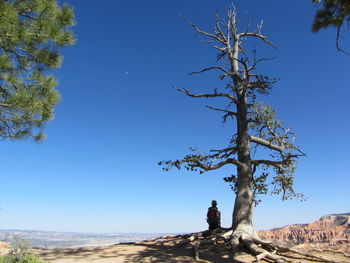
(256, 128)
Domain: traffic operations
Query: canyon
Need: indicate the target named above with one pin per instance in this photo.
(329, 232)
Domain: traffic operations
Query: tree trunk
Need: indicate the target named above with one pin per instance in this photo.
(242, 218)
(243, 208)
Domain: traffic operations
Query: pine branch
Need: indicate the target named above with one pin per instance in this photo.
(228, 113)
(210, 68)
(266, 143)
(216, 166)
(207, 95)
(257, 35)
(216, 37)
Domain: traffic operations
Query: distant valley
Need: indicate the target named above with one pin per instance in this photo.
(50, 239)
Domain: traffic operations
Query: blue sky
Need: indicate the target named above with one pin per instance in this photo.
(119, 116)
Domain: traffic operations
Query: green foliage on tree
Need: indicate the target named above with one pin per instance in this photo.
(334, 13)
(32, 32)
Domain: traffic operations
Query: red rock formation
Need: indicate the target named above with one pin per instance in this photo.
(329, 232)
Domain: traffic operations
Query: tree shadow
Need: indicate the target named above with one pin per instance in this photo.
(82, 254)
(173, 253)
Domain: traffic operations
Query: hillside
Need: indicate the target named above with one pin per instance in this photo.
(329, 232)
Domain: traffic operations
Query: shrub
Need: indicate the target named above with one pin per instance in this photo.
(27, 258)
(20, 252)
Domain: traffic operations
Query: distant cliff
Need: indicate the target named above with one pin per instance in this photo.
(329, 232)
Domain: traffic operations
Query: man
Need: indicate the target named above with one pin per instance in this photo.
(213, 216)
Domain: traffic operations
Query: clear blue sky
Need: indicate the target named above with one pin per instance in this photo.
(119, 116)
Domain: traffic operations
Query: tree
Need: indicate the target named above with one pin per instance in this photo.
(32, 32)
(256, 128)
(333, 13)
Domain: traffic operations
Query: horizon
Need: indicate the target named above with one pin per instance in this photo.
(72, 232)
(119, 116)
(56, 240)
(161, 233)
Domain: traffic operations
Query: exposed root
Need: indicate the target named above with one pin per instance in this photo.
(261, 253)
(253, 245)
(235, 241)
(332, 251)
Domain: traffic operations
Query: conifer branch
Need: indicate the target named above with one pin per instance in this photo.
(215, 166)
(216, 37)
(207, 95)
(266, 143)
(257, 35)
(210, 68)
(229, 113)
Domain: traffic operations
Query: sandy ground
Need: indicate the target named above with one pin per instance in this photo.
(144, 252)
(156, 252)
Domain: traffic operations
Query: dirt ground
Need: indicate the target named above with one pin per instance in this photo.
(159, 251)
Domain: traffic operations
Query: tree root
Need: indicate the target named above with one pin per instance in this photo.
(332, 251)
(253, 245)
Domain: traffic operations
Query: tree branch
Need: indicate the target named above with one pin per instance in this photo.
(210, 68)
(216, 37)
(277, 164)
(262, 37)
(216, 94)
(5, 105)
(266, 143)
(337, 42)
(216, 166)
(223, 153)
(218, 30)
(225, 149)
(227, 111)
(27, 16)
(258, 61)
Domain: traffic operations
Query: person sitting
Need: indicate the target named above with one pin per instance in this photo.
(213, 216)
